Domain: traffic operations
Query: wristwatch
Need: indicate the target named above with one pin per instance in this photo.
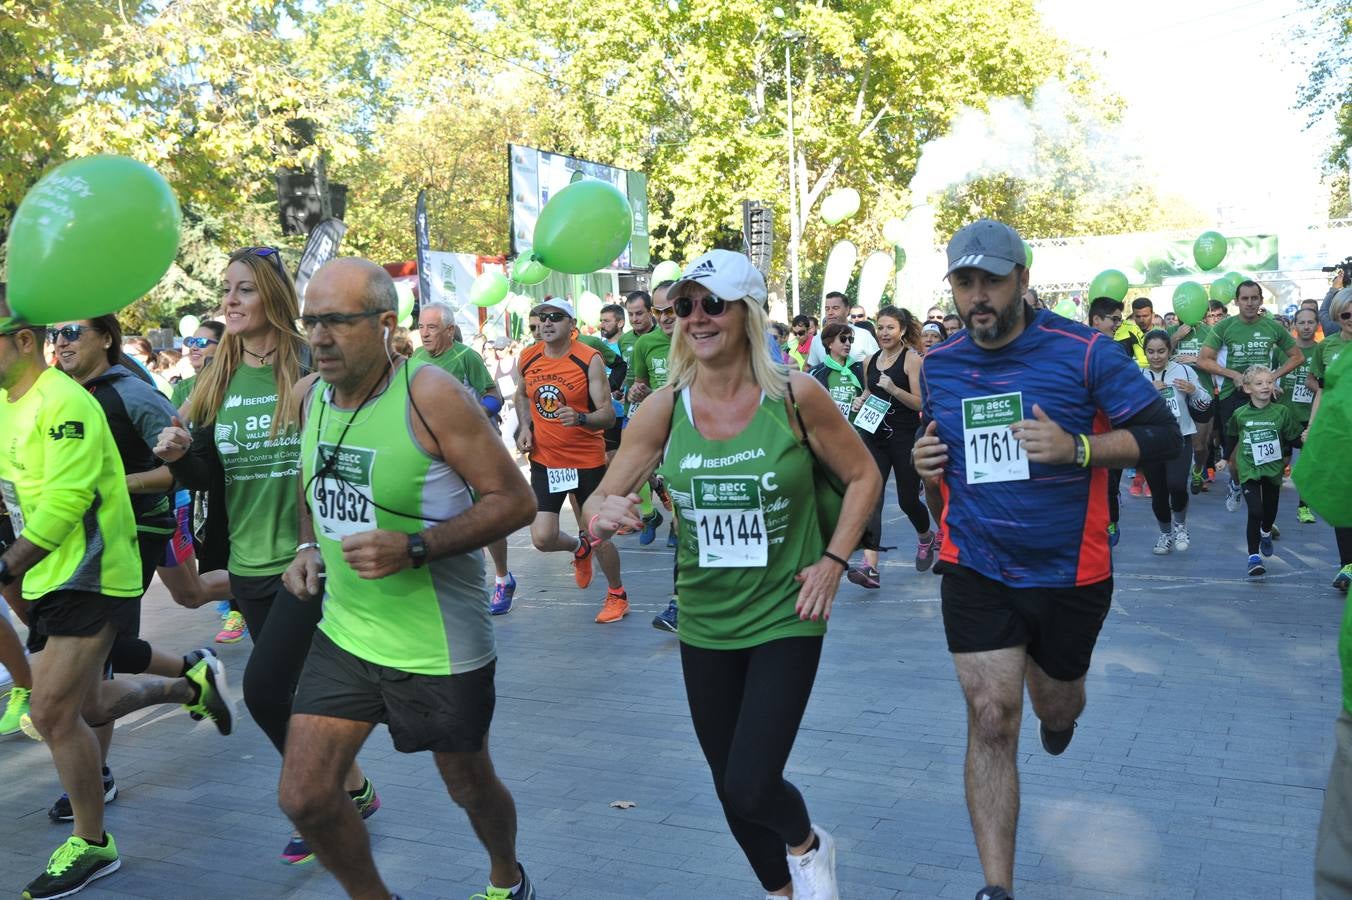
(6, 577)
(1081, 450)
(417, 550)
(582, 420)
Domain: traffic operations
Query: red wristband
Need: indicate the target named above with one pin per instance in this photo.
(591, 528)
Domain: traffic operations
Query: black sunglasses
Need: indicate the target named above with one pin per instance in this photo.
(336, 321)
(269, 253)
(1345, 314)
(713, 306)
(553, 316)
(846, 338)
(71, 333)
(199, 343)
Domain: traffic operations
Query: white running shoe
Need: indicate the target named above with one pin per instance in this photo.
(814, 873)
(1163, 543)
(1180, 537)
(1234, 498)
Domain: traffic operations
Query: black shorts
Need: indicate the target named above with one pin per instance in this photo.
(588, 480)
(1058, 626)
(78, 614)
(613, 434)
(1225, 408)
(441, 713)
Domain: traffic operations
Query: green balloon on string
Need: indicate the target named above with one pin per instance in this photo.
(1190, 302)
(489, 289)
(1209, 250)
(1222, 289)
(583, 227)
(1108, 283)
(529, 270)
(1028, 256)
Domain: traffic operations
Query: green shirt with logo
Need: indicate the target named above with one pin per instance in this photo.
(650, 360)
(1326, 353)
(461, 361)
(261, 471)
(1296, 393)
(628, 340)
(182, 391)
(1261, 434)
(1191, 345)
(1261, 342)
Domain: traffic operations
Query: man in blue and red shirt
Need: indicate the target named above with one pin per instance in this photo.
(1027, 413)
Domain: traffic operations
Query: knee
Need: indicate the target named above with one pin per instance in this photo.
(747, 794)
(305, 803)
(467, 788)
(541, 537)
(991, 720)
(54, 720)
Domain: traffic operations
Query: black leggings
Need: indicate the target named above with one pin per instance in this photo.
(1261, 497)
(280, 626)
(1344, 538)
(894, 455)
(1168, 480)
(746, 706)
(129, 654)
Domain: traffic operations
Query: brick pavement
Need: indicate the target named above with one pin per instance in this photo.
(1197, 772)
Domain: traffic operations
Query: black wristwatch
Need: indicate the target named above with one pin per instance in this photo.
(417, 550)
(582, 420)
(6, 577)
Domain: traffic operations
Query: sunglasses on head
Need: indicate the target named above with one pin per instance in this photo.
(713, 306)
(71, 333)
(269, 253)
(199, 343)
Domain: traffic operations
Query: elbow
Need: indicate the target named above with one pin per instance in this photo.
(522, 507)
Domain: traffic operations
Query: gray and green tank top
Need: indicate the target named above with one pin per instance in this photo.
(740, 497)
(431, 620)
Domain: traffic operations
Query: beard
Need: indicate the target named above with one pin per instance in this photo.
(1005, 321)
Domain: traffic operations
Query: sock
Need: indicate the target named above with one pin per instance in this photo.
(645, 498)
(99, 843)
(617, 590)
(502, 579)
(358, 792)
(514, 888)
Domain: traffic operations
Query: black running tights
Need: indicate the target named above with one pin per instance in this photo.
(281, 626)
(1261, 496)
(1344, 538)
(1168, 480)
(894, 455)
(746, 706)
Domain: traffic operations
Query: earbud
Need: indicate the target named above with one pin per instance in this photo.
(387, 333)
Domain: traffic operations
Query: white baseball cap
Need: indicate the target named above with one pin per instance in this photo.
(727, 275)
(558, 303)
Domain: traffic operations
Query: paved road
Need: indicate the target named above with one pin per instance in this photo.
(1197, 772)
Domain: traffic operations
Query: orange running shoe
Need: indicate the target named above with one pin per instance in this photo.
(582, 561)
(615, 608)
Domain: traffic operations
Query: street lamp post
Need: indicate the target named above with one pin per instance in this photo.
(790, 38)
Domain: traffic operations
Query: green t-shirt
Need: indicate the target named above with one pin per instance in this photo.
(1259, 343)
(1192, 346)
(753, 492)
(182, 391)
(1296, 394)
(462, 362)
(65, 490)
(628, 340)
(842, 390)
(1326, 353)
(650, 360)
(1261, 434)
(261, 471)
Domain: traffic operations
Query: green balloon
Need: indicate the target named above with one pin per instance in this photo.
(1222, 289)
(1209, 249)
(1067, 309)
(666, 271)
(899, 258)
(588, 308)
(489, 289)
(91, 236)
(529, 270)
(1108, 283)
(583, 227)
(1028, 257)
(1190, 302)
(1237, 278)
(406, 304)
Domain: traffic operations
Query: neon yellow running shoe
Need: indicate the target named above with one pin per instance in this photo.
(74, 864)
(15, 709)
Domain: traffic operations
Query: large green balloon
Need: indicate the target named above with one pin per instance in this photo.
(1209, 249)
(1237, 278)
(1028, 255)
(583, 227)
(529, 270)
(91, 236)
(1190, 302)
(489, 289)
(406, 304)
(666, 271)
(1067, 309)
(1222, 289)
(1108, 283)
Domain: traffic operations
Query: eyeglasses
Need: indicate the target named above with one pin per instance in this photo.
(199, 343)
(857, 317)
(553, 317)
(1116, 320)
(71, 333)
(268, 253)
(664, 311)
(339, 322)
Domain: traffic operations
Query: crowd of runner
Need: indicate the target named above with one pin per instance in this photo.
(323, 456)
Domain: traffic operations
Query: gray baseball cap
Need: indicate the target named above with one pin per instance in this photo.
(988, 245)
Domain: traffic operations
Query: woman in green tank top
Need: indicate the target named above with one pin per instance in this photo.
(757, 578)
(244, 447)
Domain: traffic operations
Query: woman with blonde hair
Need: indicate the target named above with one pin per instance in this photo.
(242, 444)
(736, 437)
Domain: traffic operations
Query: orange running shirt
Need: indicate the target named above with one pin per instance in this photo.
(554, 383)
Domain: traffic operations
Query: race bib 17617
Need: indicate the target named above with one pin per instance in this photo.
(989, 448)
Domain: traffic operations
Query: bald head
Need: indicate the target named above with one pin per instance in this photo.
(356, 284)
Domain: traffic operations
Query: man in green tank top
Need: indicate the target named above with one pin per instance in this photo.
(390, 538)
(75, 556)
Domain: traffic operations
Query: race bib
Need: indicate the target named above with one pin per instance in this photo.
(1301, 393)
(561, 481)
(342, 497)
(729, 522)
(989, 447)
(846, 409)
(11, 495)
(1266, 447)
(1171, 400)
(871, 414)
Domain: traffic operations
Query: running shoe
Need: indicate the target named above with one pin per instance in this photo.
(1210, 475)
(74, 864)
(1196, 481)
(666, 619)
(1276, 532)
(297, 852)
(1234, 498)
(1256, 566)
(26, 725)
(1055, 742)
(366, 799)
(1114, 534)
(525, 892)
(615, 607)
(1137, 488)
(61, 810)
(16, 707)
(1163, 544)
(213, 696)
(991, 892)
(649, 532)
(582, 561)
(190, 659)
(814, 873)
(865, 577)
(503, 592)
(232, 628)
(1181, 540)
(671, 536)
(1265, 543)
(925, 552)
(1343, 579)
(1304, 516)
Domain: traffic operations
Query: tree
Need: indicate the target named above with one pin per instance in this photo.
(1328, 89)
